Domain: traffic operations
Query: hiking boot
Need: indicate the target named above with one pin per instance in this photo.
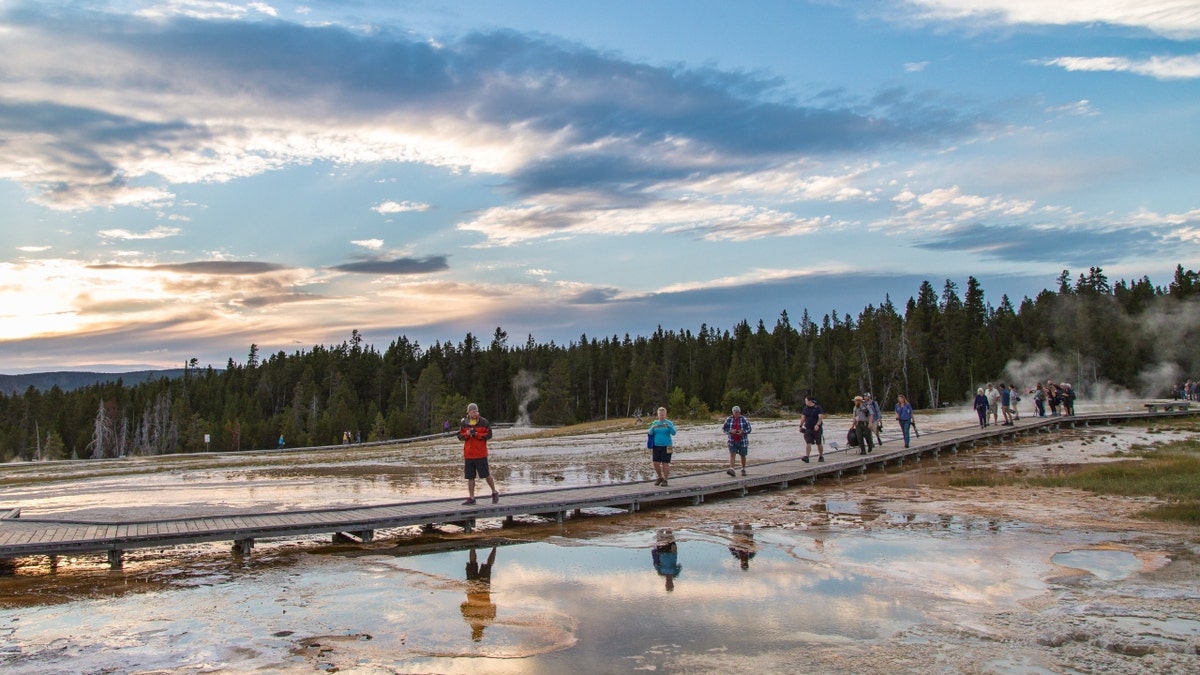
(658, 482)
(664, 482)
(470, 501)
(495, 497)
(820, 458)
(804, 459)
(743, 472)
(730, 472)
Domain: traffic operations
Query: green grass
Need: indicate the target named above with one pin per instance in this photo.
(1169, 471)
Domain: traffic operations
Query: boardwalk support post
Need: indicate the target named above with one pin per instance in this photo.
(242, 547)
(115, 558)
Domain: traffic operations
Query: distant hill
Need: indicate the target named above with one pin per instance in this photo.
(68, 380)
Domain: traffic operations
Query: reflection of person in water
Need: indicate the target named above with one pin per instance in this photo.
(742, 544)
(479, 610)
(665, 555)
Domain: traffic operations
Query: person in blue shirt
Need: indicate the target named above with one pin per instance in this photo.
(904, 416)
(661, 431)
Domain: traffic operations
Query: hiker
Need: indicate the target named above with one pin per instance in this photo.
(812, 419)
(862, 425)
(474, 431)
(661, 431)
(904, 416)
(737, 429)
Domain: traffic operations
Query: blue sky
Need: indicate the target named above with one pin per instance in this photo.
(182, 179)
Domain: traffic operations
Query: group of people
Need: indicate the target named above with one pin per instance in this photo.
(1055, 396)
(994, 403)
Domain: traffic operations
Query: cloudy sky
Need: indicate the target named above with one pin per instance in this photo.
(180, 179)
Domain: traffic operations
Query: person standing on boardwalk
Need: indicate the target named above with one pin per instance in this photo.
(737, 428)
(661, 431)
(862, 425)
(993, 399)
(475, 431)
(904, 416)
(812, 421)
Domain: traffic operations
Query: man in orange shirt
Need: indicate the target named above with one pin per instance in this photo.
(474, 431)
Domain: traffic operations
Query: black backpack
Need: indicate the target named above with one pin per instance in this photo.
(852, 437)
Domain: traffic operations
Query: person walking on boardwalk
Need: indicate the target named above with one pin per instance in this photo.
(862, 425)
(904, 416)
(661, 431)
(737, 429)
(876, 417)
(981, 407)
(812, 421)
(475, 431)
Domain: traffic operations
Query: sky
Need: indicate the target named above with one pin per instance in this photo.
(182, 179)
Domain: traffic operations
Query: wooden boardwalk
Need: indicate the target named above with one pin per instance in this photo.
(23, 536)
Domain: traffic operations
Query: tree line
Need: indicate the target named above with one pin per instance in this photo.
(937, 349)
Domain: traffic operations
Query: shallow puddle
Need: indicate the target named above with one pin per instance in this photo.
(637, 600)
(1105, 564)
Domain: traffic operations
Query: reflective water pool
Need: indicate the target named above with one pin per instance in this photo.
(647, 599)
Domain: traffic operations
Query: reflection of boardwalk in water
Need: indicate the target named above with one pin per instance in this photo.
(24, 536)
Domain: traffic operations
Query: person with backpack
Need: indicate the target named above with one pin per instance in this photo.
(862, 426)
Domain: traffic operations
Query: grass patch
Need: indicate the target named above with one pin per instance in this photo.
(1167, 471)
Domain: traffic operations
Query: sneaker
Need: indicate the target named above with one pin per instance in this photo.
(743, 472)
(804, 459)
(469, 501)
(730, 472)
(664, 482)
(820, 458)
(495, 497)
(658, 482)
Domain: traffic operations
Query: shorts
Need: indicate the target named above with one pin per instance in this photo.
(812, 436)
(476, 468)
(739, 448)
(661, 454)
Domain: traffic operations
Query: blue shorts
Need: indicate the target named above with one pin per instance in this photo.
(476, 468)
(739, 448)
(661, 454)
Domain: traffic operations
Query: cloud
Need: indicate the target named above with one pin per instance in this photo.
(1169, 18)
(401, 266)
(218, 267)
(373, 244)
(107, 109)
(1081, 108)
(390, 207)
(158, 232)
(1158, 67)
(1058, 245)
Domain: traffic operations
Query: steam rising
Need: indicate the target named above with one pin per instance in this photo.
(525, 389)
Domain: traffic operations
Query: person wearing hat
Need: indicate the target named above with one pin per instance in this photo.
(737, 429)
(474, 431)
(862, 425)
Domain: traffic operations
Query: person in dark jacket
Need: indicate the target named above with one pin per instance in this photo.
(981, 407)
